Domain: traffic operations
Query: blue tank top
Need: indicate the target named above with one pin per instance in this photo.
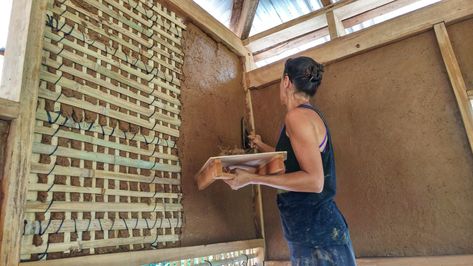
(312, 219)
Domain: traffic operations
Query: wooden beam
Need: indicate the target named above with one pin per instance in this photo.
(243, 14)
(209, 24)
(297, 42)
(335, 25)
(455, 260)
(456, 79)
(9, 109)
(20, 138)
(470, 93)
(309, 23)
(378, 35)
(152, 256)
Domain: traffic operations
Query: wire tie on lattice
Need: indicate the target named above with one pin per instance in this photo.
(75, 225)
(146, 141)
(42, 255)
(113, 223)
(136, 61)
(152, 168)
(48, 114)
(152, 113)
(60, 2)
(126, 58)
(126, 225)
(155, 192)
(49, 206)
(154, 177)
(133, 137)
(60, 94)
(147, 225)
(25, 222)
(50, 21)
(52, 169)
(103, 131)
(136, 224)
(50, 187)
(207, 261)
(63, 12)
(154, 150)
(100, 223)
(60, 226)
(124, 135)
(155, 205)
(91, 125)
(155, 123)
(55, 83)
(154, 76)
(114, 53)
(155, 240)
(88, 226)
(66, 34)
(45, 229)
(63, 25)
(111, 133)
(54, 151)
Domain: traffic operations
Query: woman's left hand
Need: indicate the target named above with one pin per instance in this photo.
(242, 179)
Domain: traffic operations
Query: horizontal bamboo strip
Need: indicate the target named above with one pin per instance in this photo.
(99, 30)
(54, 96)
(73, 206)
(79, 245)
(230, 261)
(84, 225)
(156, 94)
(41, 148)
(93, 65)
(59, 119)
(39, 168)
(146, 22)
(109, 144)
(135, 26)
(102, 191)
(98, 94)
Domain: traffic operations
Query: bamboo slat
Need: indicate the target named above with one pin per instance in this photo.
(59, 206)
(63, 121)
(59, 226)
(38, 168)
(46, 149)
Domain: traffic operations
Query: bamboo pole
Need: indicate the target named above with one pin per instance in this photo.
(73, 206)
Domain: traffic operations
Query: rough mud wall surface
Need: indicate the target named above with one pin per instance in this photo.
(461, 36)
(212, 106)
(404, 166)
(4, 129)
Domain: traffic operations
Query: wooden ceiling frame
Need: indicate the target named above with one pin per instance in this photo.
(311, 22)
(348, 23)
(401, 27)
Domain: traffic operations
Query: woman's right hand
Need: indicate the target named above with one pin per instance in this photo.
(255, 140)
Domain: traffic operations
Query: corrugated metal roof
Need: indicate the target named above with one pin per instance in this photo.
(269, 13)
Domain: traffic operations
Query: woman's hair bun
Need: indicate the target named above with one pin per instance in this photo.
(305, 73)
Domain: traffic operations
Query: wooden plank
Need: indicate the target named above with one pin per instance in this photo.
(308, 23)
(153, 256)
(76, 206)
(378, 35)
(297, 42)
(456, 79)
(335, 25)
(28, 23)
(9, 109)
(213, 168)
(209, 24)
(243, 14)
(326, 2)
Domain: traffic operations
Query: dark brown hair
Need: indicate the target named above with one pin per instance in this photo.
(305, 73)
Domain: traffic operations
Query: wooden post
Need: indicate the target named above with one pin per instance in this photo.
(456, 79)
(335, 25)
(29, 35)
(258, 198)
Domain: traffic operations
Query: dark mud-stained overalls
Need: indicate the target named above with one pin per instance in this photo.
(313, 226)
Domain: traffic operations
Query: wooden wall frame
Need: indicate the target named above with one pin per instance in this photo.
(26, 30)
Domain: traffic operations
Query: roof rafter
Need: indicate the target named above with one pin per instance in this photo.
(243, 14)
